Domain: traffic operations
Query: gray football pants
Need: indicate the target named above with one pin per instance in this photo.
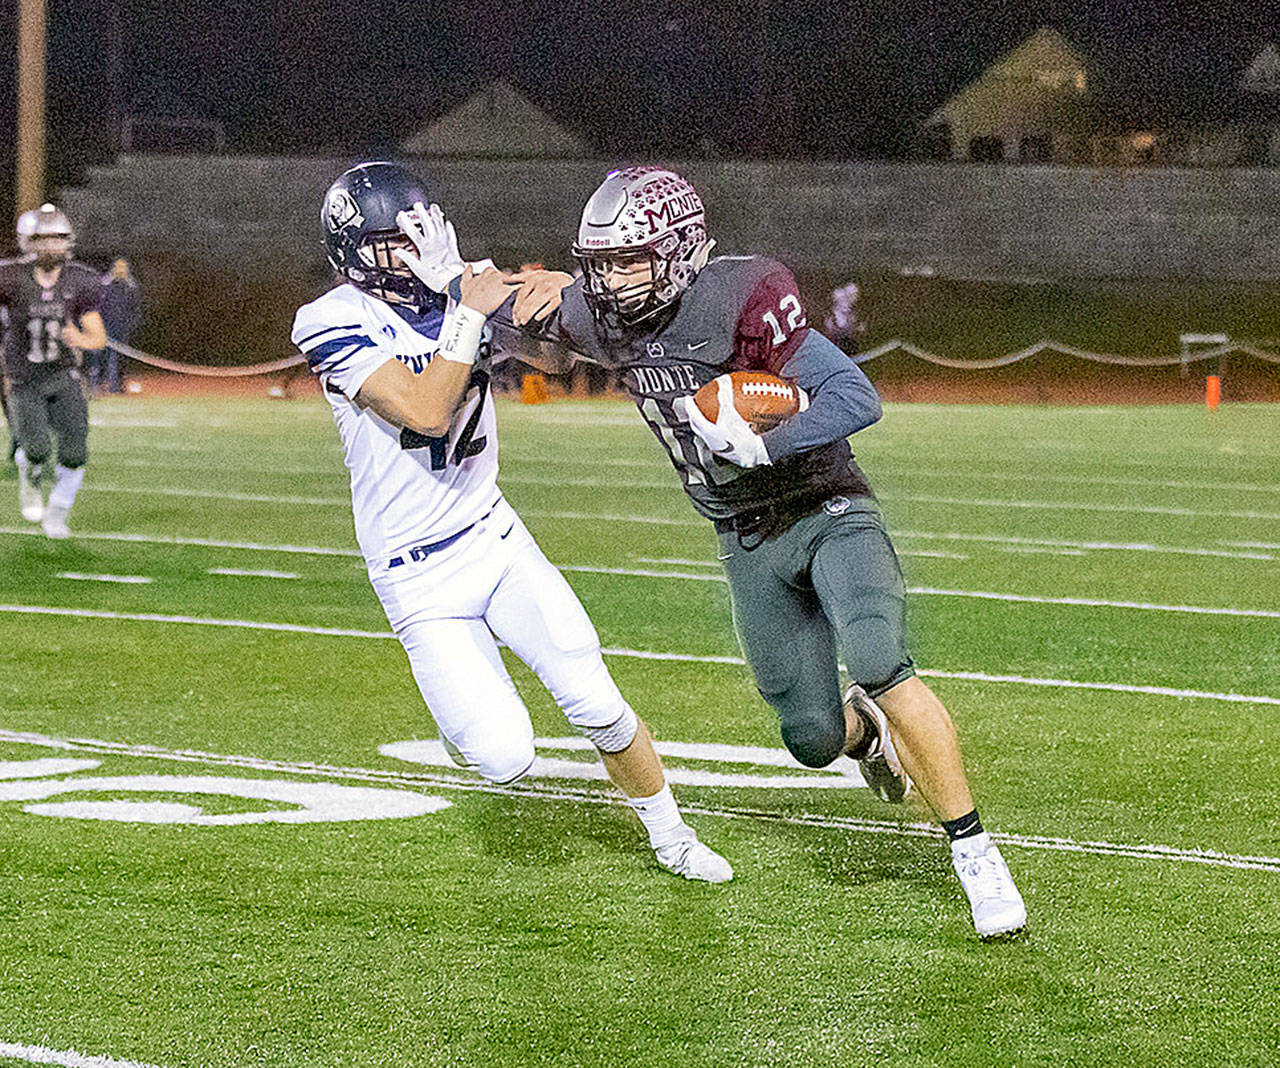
(54, 405)
(828, 586)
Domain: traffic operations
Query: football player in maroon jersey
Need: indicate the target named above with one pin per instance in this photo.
(52, 305)
(812, 573)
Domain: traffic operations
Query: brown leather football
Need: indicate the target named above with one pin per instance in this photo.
(762, 399)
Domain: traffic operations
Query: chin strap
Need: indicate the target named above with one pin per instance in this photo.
(699, 259)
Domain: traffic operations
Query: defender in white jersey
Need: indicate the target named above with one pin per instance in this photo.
(406, 371)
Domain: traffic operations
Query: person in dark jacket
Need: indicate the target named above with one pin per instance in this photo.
(121, 307)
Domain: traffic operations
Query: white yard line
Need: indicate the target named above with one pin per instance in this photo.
(948, 474)
(660, 466)
(968, 502)
(678, 561)
(108, 422)
(1129, 850)
(991, 539)
(198, 621)
(205, 543)
(127, 580)
(247, 573)
(1096, 602)
(1041, 549)
(932, 591)
(639, 572)
(1101, 546)
(1080, 506)
(633, 654)
(1114, 687)
(69, 1058)
(216, 495)
(702, 577)
(617, 517)
(594, 483)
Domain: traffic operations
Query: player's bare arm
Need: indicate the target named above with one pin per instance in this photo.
(540, 294)
(88, 333)
(427, 402)
(408, 300)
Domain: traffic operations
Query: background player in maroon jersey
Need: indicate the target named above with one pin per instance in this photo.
(812, 572)
(52, 305)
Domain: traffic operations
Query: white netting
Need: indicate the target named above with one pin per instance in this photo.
(203, 369)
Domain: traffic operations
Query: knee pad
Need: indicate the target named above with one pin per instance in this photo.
(588, 696)
(812, 743)
(503, 765)
(501, 759)
(72, 455)
(875, 656)
(617, 735)
(37, 454)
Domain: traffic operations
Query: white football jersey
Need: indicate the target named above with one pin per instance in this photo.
(406, 489)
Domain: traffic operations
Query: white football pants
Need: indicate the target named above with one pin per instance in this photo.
(447, 610)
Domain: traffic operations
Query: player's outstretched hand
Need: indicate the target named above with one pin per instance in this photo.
(435, 259)
(730, 437)
(487, 291)
(539, 295)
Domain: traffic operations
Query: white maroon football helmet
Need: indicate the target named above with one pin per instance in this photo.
(46, 234)
(641, 213)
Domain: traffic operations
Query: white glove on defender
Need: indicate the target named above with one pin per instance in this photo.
(730, 437)
(436, 262)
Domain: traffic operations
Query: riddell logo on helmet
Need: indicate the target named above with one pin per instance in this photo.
(672, 211)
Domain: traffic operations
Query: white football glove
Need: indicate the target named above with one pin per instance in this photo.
(435, 259)
(730, 437)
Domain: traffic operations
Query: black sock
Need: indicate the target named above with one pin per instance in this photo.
(965, 826)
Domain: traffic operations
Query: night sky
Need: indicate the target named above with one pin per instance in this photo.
(833, 79)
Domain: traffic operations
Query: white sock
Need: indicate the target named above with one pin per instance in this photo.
(31, 472)
(661, 818)
(63, 494)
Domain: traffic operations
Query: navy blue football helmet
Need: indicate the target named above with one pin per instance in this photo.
(358, 220)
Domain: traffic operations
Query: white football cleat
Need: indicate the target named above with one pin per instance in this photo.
(693, 860)
(996, 905)
(54, 522)
(881, 767)
(29, 499)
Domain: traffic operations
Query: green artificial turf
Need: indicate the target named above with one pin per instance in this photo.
(531, 926)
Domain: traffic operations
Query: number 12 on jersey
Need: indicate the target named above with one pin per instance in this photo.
(790, 306)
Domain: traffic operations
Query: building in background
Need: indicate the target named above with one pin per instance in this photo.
(1030, 106)
(1260, 108)
(1227, 116)
(1044, 102)
(496, 123)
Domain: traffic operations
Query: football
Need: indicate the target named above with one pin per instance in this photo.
(762, 399)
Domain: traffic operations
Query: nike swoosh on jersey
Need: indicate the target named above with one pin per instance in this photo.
(694, 348)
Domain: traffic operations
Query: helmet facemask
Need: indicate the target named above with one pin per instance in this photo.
(360, 233)
(50, 250)
(640, 214)
(46, 235)
(674, 260)
(382, 274)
